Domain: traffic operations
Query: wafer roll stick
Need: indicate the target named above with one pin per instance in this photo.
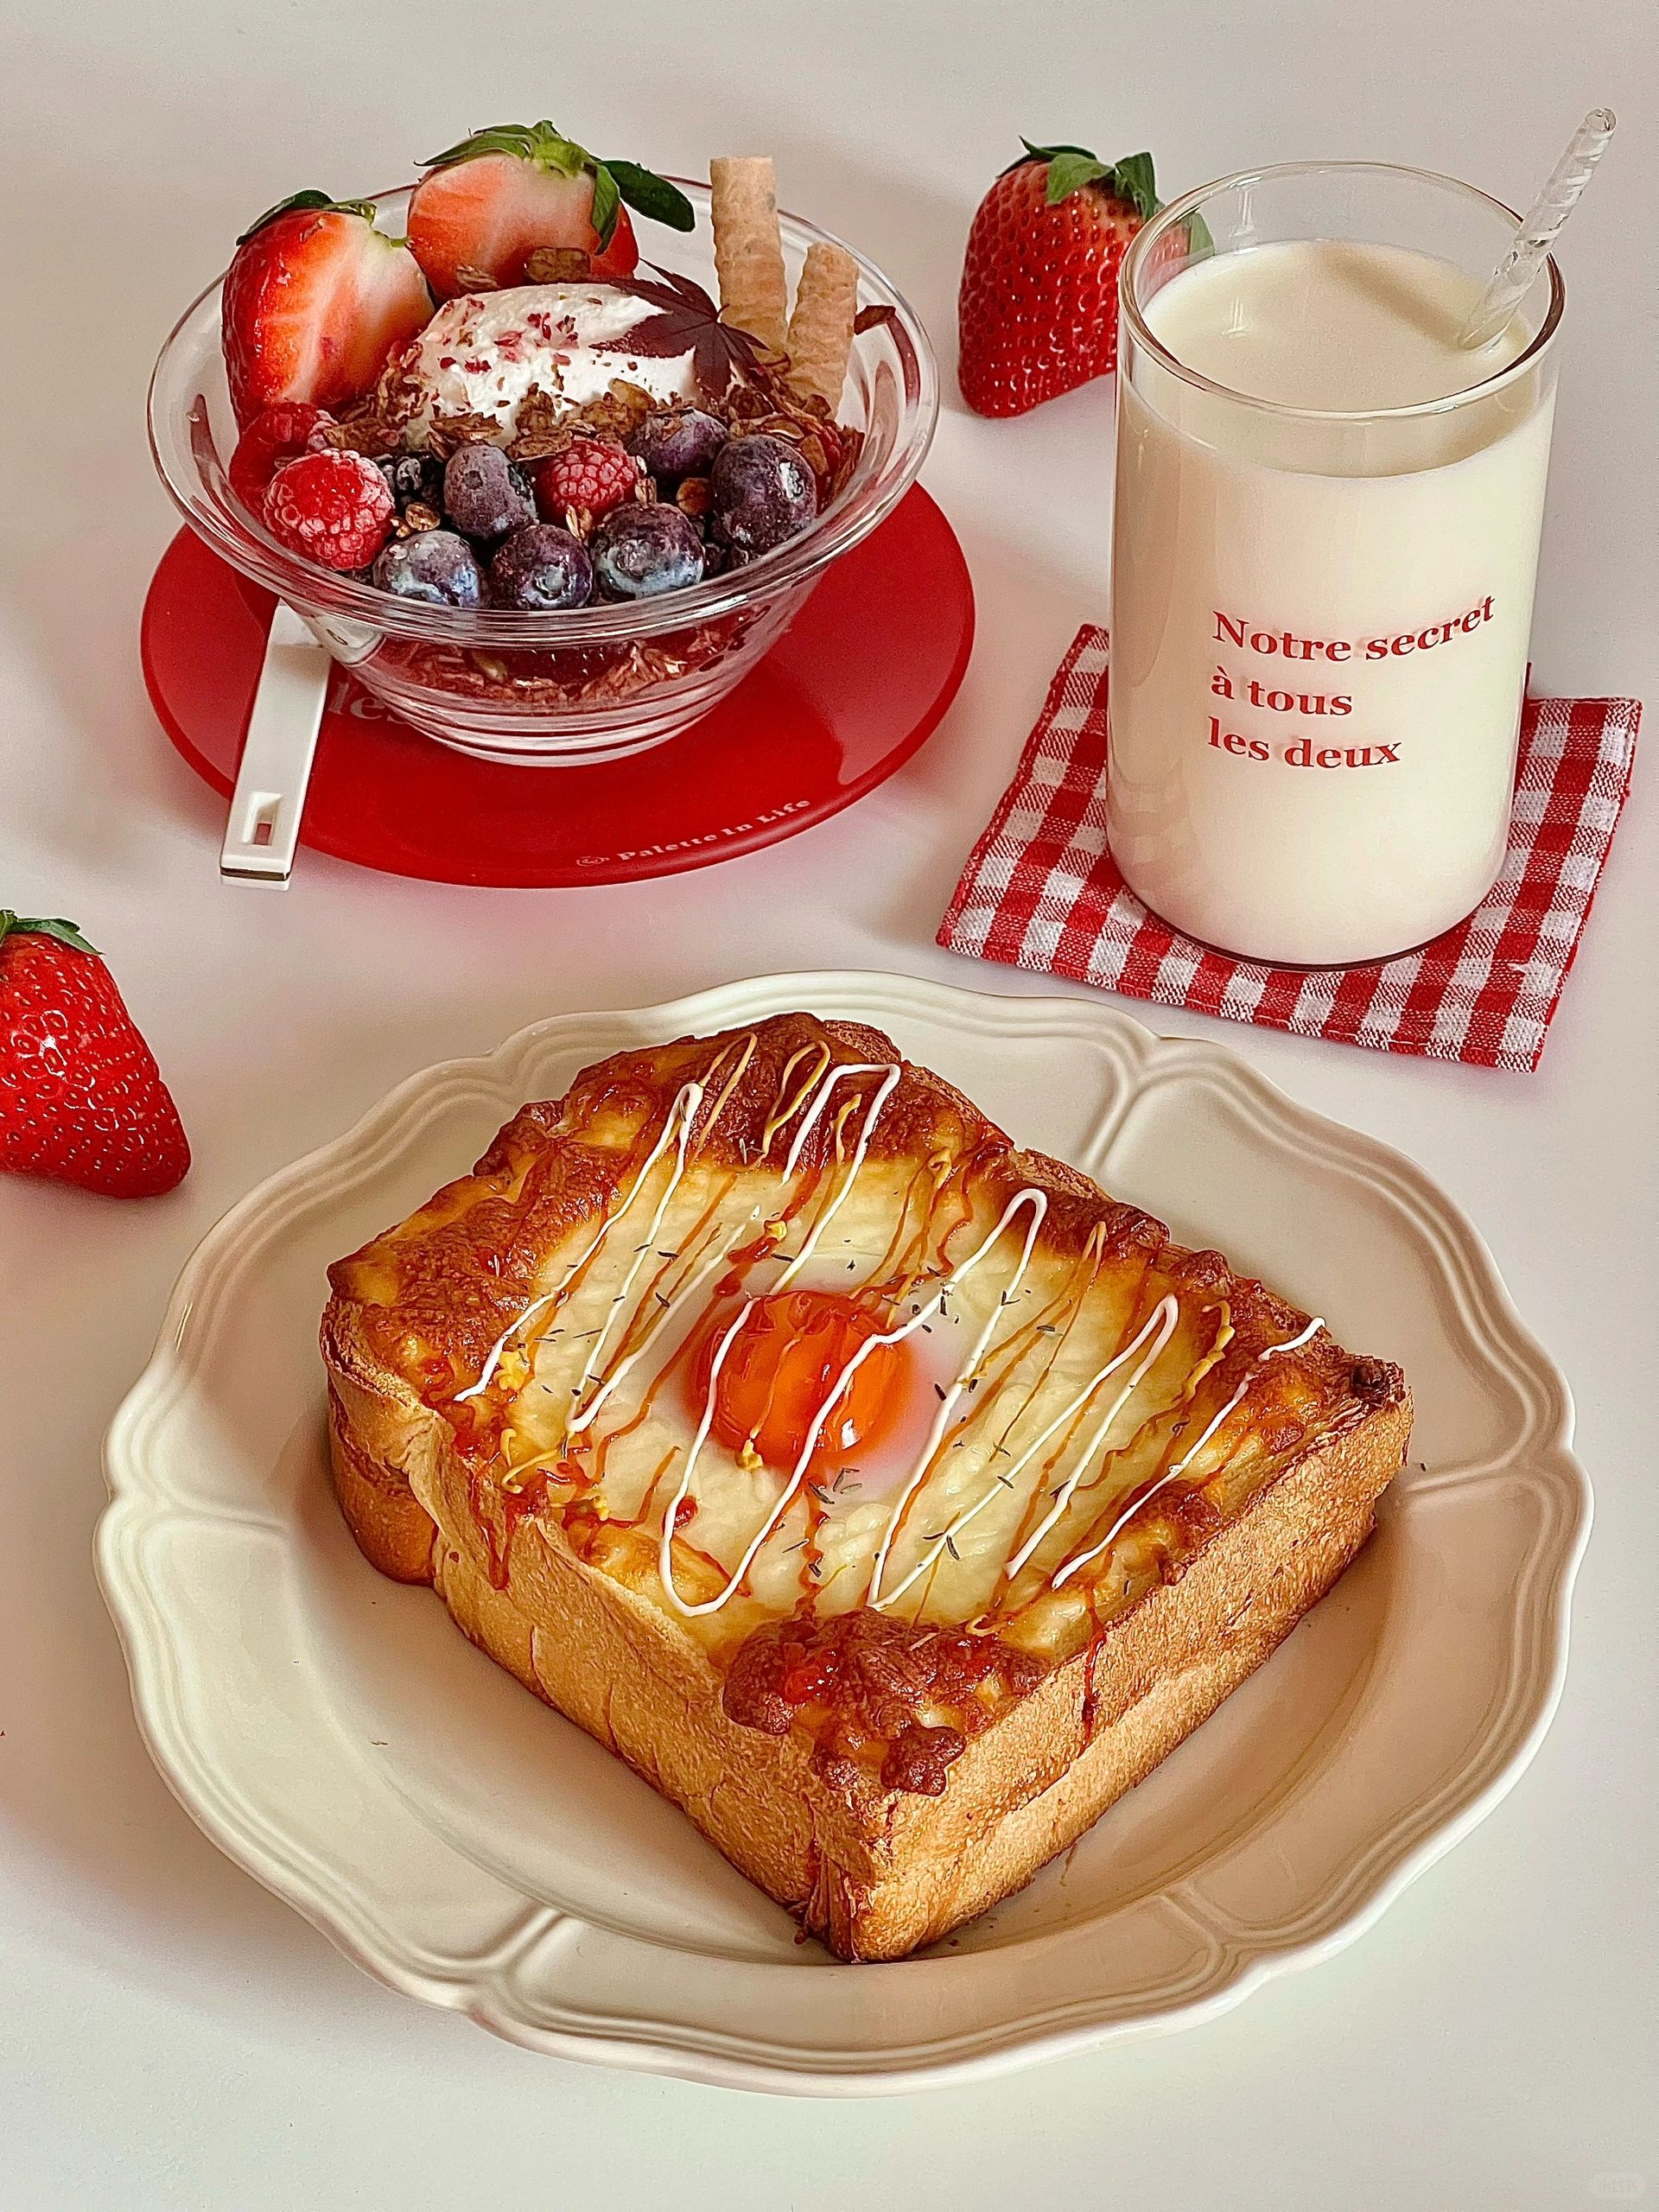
(821, 329)
(749, 254)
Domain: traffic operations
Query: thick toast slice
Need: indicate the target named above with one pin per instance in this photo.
(891, 1499)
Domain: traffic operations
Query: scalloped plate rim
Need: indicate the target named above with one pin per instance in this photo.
(740, 2060)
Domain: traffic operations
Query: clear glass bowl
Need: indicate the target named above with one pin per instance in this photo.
(599, 681)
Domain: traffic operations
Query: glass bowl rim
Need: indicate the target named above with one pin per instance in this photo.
(1177, 210)
(244, 541)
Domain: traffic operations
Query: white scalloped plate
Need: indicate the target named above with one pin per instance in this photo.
(333, 1733)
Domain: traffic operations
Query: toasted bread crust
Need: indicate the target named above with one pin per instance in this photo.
(874, 1872)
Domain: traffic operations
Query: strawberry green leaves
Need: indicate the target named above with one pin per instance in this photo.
(614, 182)
(651, 195)
(1131, 179)
(1071, 168)
(526, 142)
(26, 926)
(607, 202)
(317, 200)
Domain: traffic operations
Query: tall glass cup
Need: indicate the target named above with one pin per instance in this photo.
(1325, 545)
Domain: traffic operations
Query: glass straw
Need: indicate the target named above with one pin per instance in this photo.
(1540, 228)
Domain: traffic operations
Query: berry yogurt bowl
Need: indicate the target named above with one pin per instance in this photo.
(525, 573)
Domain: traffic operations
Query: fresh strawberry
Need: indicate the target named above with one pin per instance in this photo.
(276, 434)
(487, 204)
(1037, 309)
(81, 1099)
(314, 300)
(621, 256)
(334, 507)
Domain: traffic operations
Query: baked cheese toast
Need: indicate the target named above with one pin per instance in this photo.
(890, 1499)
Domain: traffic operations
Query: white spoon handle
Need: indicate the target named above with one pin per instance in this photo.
(263, 829)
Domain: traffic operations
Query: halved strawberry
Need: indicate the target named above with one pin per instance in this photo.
(276, 434)
(314, 300)
(487, 204)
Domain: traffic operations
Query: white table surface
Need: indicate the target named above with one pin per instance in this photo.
(170, 2034)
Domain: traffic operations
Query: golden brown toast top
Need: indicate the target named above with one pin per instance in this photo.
(780, 1332)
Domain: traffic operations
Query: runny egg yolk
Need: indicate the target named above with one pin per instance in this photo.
(782, 1369)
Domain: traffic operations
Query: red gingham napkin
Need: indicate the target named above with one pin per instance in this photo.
(1042, 892)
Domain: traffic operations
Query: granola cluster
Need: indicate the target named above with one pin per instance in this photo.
(380, 424)
(585, 676)
(389, 425)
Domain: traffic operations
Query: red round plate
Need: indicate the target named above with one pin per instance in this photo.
(851, 689)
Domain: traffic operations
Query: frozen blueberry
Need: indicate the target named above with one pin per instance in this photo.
(483, 495)
(434, 566)
(677, 442)
(413, 476)
(639, 551)
(761, 492)
(541, 568)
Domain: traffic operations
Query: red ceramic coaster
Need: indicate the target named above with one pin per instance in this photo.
(846, 694)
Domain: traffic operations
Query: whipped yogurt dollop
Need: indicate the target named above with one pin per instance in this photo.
(482, 354)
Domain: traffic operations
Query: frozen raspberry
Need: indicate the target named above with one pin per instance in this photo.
(335, 508)
(276, 434)
(591, 476)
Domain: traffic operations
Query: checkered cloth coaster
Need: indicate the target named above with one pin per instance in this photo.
(1042, 892)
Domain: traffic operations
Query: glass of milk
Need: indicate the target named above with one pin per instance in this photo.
(1324, 550)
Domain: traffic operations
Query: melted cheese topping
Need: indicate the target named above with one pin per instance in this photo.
(1057, 1392)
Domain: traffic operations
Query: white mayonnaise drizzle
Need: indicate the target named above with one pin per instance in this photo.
(682, 1113)
(879, 1098)
(585, 1414)
(745, 1055)
(798, 1475)
(1159, 1324)
(596, 1350)
(665, 1545)
(1082, 1559)
(583, 1418)
(685, 1105)
(677, 1131)
(683, 1110)
(1038, 1201)
(787, 1108)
